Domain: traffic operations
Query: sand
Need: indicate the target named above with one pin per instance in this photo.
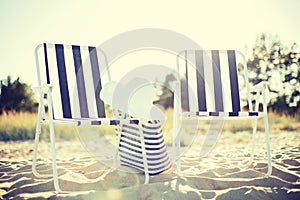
(83, 177)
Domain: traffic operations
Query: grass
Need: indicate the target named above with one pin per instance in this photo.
(17, 126)
(21, 126)
(277, 124)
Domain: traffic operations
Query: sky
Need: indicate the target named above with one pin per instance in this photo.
(230, 24)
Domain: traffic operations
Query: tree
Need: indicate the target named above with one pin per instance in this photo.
(270, 61)
(16, 96)
(279, 65)
(166, 97)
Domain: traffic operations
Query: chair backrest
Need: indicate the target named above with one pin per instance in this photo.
(75, 73)
(212, 80)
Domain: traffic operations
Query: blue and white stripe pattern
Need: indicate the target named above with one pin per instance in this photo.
(130, 147)
(212, 84)
(75, 73)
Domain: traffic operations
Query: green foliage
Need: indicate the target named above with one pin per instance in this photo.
(270, 61)
(16, 96)
(273, 62)
(166, 97)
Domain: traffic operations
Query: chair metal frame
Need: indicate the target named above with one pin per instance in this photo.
(256, 93)
(45, 90)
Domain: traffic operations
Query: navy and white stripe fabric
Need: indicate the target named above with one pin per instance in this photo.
(75, 73)
(212, 84)
(130, 147)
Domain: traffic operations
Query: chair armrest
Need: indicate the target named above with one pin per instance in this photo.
(45, 88)
(259, 87)
(174, 84)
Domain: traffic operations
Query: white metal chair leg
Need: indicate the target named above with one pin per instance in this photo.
(41, 113)
(144, 155)
(268, 147)
(178, 163)
(147, 178)
(54, 165)
(114, 164)
(266, 121)
(36, 142)
(176, 125)
(34, 170)
(52, 139)
(119, 131)
(176, 143)
(254, 129)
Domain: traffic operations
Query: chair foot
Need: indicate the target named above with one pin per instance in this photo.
(269, 171)
(147, 178)
(38, 175)
(57, 189)
(178, 166)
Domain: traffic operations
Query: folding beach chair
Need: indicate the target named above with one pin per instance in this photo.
(69, 77)
(213, 92)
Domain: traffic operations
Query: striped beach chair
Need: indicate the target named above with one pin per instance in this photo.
(213, 91)
(70, 77)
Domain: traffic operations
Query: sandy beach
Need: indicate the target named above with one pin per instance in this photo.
(83, 177)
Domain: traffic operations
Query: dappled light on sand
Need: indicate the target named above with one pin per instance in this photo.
(217, 176)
